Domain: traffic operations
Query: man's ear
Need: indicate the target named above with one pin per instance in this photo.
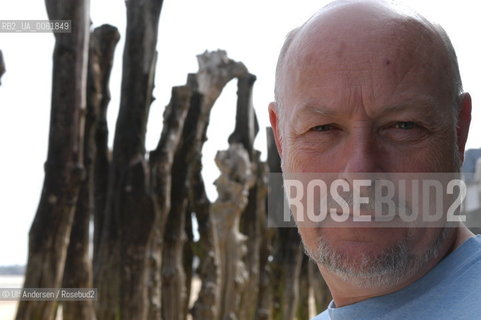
(464, 119)
(274, 119)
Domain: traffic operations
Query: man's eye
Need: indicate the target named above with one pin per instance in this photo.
(407, 131)
(324, 127)
(405, 125)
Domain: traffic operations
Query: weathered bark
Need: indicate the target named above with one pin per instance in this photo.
(2, 66)
(252, 220)
(104, 40)
(233, 188)
(131, 210)
(188, 257)
(246, 125)
(265, 300)
(78, 266)
(287, 256)
(245, 132)
(174, 295)
(303, 300)
(50, 231)
(321, 293)
(249, 226)
(161, 162)
(207, 304)
(286, 266)
(215, 70)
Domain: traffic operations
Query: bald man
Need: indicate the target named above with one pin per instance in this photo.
(369, 86)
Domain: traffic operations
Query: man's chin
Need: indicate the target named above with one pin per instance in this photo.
(361, 254)
(367, 263)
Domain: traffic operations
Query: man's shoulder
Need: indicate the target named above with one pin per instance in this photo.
(451, 291)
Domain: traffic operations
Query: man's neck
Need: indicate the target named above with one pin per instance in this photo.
(346, 293)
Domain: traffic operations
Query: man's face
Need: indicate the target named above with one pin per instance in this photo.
(366, 102)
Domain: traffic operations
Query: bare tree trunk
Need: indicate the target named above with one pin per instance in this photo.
(207, 303)
(188, 256)
(251, 225)
(161, 162)
(303, 300)
(286, 267)
(215, 71)
(287, 257)
(104, 40)
(78, 266)
(50, 231)
(233, 185)
(131, 211)
(174, 292)
(265, 301)
(245, 132)
(2, 66)
(322, 296)
(246, 126)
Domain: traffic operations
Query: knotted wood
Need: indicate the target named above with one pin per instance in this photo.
(78, 266)
(64, 171)
(287, 255)
(233, 188)
(131, 210)
(215, 71)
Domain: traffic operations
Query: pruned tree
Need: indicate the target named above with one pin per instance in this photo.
(207, 304)
(142, 203)
(161, 162)
(302, 312)
(103, 43)
(64, 170)
(251, 219)
(233, 188)
(78, 266)
(321, 293)
(131, 211)
(286, 256)
(215, 71)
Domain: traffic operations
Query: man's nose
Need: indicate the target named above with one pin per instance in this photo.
(362, 153)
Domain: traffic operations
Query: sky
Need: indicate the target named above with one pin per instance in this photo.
(251, 31)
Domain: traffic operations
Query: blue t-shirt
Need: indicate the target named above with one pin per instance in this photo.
(450, 291)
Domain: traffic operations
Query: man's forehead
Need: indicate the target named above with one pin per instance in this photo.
(421, 104)
(359, 27)
(345, 40)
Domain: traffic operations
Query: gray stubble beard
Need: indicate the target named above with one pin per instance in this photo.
(390, 268)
